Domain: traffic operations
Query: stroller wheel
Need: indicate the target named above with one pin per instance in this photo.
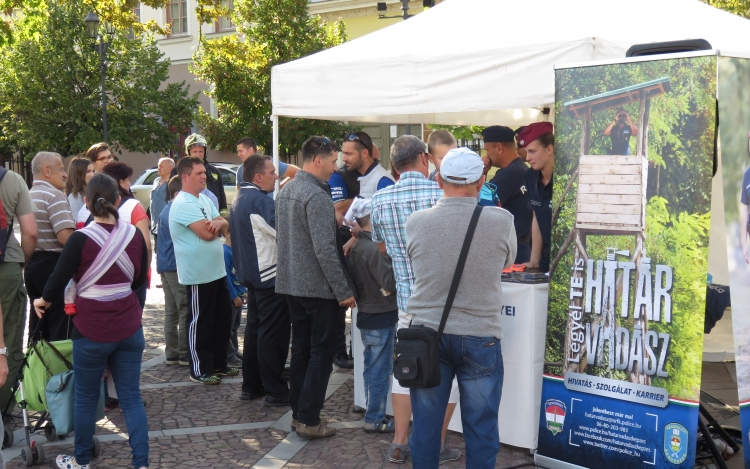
(97, 448)
(39, 457)
(27, 457)
(7, 438)
(50, 433)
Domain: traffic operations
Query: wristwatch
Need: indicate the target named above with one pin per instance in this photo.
(4, 351)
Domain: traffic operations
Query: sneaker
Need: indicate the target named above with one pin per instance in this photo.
(69, 462)
(252, 395)
(385, 426)
(206, 379)
(314, 432)
(277, 400)
(449, 454)
(295, 424)
(184, 361)
(111, 403)
(342, 360)
(172, 361)
(228, 371)
(234, 362)
(398, 453)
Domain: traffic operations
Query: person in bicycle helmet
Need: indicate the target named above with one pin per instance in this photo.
(195, 145)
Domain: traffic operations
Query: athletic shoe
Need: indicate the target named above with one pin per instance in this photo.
(385, 426)
(277, 400)
(314, 432)
(206, 379)
(398, 453)
(228, 371)
(184, 361)
(172, 361)
(449, 454)
(342, 360)
(234, 362)
(69, 462)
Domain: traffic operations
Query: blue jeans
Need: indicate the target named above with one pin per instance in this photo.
(124, 360)
(378, 369)
(477, 362)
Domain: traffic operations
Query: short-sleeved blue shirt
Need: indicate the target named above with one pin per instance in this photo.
(745, 196)
(164, 248)
(198, 261)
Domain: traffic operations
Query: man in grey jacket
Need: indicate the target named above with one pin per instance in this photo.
(312, 273)
(470, 346)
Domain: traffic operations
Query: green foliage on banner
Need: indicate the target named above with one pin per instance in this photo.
(680, 145)
(50, 91)
(237, 69)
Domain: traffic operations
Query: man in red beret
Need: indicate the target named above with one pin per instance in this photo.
(539, 142)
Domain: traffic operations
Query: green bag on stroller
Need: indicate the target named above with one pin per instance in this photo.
(45, 359)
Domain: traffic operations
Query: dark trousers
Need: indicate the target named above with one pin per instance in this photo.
(316, 326)
(208, 326)
(523, 253)
(56, 324)
(266, 343)
(341, 340)
(233, 347)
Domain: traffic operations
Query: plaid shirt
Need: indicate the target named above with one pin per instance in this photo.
(391, 208)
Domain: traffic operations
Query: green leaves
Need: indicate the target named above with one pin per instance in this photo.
(50, 91)
(237, 69)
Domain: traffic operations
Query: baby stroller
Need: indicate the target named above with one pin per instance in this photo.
(43, 360)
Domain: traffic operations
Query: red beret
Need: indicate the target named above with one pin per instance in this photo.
(532, 132)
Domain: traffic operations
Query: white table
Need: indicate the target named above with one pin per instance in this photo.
(523, 358)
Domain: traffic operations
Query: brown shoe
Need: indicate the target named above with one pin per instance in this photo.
(321, 430)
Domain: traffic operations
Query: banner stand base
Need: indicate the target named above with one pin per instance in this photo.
(549, 463)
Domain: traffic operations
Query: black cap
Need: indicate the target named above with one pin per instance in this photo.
(498, 133)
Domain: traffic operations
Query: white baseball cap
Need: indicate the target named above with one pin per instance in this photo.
(461, 166)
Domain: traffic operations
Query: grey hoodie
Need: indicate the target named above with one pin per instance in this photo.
(311, 262)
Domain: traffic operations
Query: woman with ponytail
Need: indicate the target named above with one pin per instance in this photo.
(108, 260)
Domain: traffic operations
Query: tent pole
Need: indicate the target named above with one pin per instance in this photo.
(275, 123)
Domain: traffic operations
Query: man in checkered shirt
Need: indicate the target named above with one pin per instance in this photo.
(391, 207)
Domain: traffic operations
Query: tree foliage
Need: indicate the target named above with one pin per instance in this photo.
(738, 7)
(238, 69)
(50, 91)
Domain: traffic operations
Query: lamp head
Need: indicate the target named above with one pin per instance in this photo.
(92, 25)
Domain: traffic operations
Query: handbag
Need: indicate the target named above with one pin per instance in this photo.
(417, 362)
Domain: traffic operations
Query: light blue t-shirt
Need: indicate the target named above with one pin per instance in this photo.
(198, 261)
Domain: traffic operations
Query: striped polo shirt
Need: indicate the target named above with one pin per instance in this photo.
(52, 215)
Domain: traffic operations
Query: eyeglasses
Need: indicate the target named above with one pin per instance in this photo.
(354, 138)
(104, 159)
(326, 141)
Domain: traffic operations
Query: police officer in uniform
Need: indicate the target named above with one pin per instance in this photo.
(510, 181)
(539, 142)
(619, 131)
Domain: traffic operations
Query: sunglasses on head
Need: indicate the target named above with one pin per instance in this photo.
(354, 138)
(326, 141)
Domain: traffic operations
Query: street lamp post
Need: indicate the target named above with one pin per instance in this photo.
(92, 31)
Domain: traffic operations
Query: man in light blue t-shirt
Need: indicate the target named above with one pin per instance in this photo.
(195, 226)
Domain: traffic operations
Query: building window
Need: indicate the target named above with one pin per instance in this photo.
(137, 13)
(225, 22)
(177, 17)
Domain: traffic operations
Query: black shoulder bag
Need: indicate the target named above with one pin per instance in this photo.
(417, 363)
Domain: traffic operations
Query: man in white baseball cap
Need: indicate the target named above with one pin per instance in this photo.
(471, 339)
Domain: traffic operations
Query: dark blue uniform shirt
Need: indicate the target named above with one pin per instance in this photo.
(540, 201)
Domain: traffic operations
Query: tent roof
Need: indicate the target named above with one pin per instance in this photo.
(615, 98)
(485, 61)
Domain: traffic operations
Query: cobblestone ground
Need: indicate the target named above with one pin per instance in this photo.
(195, 426)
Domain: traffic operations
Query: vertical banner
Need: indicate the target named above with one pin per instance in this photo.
(634, 146)
(734, 132)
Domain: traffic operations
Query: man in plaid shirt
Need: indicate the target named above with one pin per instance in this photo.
(391, 207)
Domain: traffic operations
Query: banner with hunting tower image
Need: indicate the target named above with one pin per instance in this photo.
(634, 146)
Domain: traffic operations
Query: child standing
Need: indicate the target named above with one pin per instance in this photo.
(375, 286)
(237, 295)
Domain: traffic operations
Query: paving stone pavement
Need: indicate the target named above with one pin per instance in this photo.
(197, 426)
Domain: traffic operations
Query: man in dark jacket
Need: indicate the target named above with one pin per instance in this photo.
(195, 145)
(311, 273)
(377, 316)
(253, 230)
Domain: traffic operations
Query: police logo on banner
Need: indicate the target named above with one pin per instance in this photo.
(555, 415)
(675, 443)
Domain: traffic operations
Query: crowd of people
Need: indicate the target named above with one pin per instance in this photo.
(383, 244)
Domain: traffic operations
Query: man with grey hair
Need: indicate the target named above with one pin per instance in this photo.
(471, 339)
(56, 223)
(159, 193)
(391, 207)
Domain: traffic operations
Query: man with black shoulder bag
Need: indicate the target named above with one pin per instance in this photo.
(456, 304)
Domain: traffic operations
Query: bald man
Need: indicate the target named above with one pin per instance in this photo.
(159, 193)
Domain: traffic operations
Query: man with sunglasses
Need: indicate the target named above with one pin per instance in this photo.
(311, 271)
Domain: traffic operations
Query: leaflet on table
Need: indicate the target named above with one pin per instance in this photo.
(631, 204)
(734, 124)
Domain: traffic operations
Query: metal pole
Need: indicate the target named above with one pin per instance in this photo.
(275, 124)
(405, 8)
(103, 70)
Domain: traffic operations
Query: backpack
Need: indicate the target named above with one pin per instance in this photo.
(488, 196)
(6, 229)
